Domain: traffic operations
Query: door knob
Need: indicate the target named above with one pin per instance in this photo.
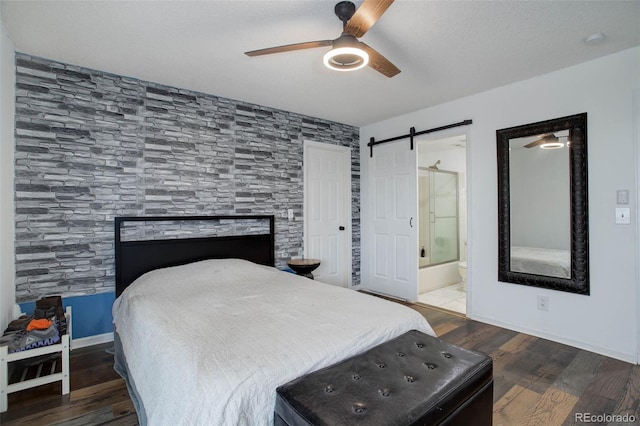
(341, 228)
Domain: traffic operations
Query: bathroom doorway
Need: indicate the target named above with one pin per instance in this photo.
(442, 233)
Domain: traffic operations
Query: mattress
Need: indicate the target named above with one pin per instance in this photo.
(209, 342)
(541, 261)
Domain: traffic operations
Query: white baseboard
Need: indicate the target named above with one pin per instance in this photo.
(627, 357)
(92, 340)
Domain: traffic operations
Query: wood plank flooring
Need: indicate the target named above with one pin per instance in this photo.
(537, 382)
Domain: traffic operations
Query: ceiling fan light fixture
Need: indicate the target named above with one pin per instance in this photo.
(346, 58)
(347, 53)
(552, 145)
(551, 141)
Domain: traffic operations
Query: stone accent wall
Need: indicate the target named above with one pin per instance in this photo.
(91, 146)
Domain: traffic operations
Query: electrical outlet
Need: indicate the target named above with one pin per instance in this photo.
(290, 214)
(623, 215)
(543, 303)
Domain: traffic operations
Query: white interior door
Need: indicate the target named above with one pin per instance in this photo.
(327, 211)
(392, 213)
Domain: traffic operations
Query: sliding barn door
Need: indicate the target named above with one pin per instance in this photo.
(392, 214)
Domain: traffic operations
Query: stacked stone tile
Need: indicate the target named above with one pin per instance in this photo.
(92, 145)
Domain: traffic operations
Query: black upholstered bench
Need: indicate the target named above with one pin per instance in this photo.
(414, 379)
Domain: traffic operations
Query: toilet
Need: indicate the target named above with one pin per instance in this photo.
(462, 270)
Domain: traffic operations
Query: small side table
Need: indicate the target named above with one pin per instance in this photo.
(304, 267)
(41, 377)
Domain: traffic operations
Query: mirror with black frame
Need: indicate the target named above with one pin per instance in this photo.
(542, 204)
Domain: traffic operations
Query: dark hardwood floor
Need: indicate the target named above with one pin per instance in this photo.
(98, 396)
(537, 382)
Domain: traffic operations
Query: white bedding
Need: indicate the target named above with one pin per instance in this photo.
(208, 343)
(541, 261)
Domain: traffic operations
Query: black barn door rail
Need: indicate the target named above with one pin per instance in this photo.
(412, 133)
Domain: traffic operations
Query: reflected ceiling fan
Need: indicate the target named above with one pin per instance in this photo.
(546, 141)
(348, 53)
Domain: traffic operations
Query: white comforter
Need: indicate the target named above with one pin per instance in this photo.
(541, 261)
(208, 343)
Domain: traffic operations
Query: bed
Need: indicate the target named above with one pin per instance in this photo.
(541, 261)
(207, 338)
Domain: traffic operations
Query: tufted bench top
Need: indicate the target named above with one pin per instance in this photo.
(410, 380)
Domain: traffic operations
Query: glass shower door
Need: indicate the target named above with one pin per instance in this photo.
(443, 217)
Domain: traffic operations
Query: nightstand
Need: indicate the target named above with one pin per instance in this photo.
(304, 267)
(41, 377)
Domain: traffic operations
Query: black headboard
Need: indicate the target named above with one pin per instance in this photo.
(134, 258)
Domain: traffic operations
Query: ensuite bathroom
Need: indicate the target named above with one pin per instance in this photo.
(442, 219)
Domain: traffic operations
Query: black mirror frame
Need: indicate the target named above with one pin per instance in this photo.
(579, 281)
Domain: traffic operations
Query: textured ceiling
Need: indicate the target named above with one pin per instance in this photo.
(445, 49)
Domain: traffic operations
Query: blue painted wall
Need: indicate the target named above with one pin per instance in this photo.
(91, 313)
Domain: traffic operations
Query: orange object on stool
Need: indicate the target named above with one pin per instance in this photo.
(39, 324)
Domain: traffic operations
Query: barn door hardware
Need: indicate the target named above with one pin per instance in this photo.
(412, 133)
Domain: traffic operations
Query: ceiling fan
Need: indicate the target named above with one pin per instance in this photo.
(348, 53)
(546, 141)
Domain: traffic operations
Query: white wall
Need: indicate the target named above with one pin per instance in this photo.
(451, 160)
(7, 111)
(606, 321)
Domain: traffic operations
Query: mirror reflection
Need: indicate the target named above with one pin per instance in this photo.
(540, 204)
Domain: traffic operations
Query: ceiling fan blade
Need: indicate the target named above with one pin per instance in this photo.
(546, 138)
(366, 16)
(379, 62)
(534, 143)
(290, 47)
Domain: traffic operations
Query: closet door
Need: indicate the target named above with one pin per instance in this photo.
(327, 211)
(392, 216)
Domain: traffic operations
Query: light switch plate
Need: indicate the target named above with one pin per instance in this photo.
(622, 196)
(623, 215)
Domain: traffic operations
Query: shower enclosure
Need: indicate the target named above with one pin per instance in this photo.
(438, 216)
